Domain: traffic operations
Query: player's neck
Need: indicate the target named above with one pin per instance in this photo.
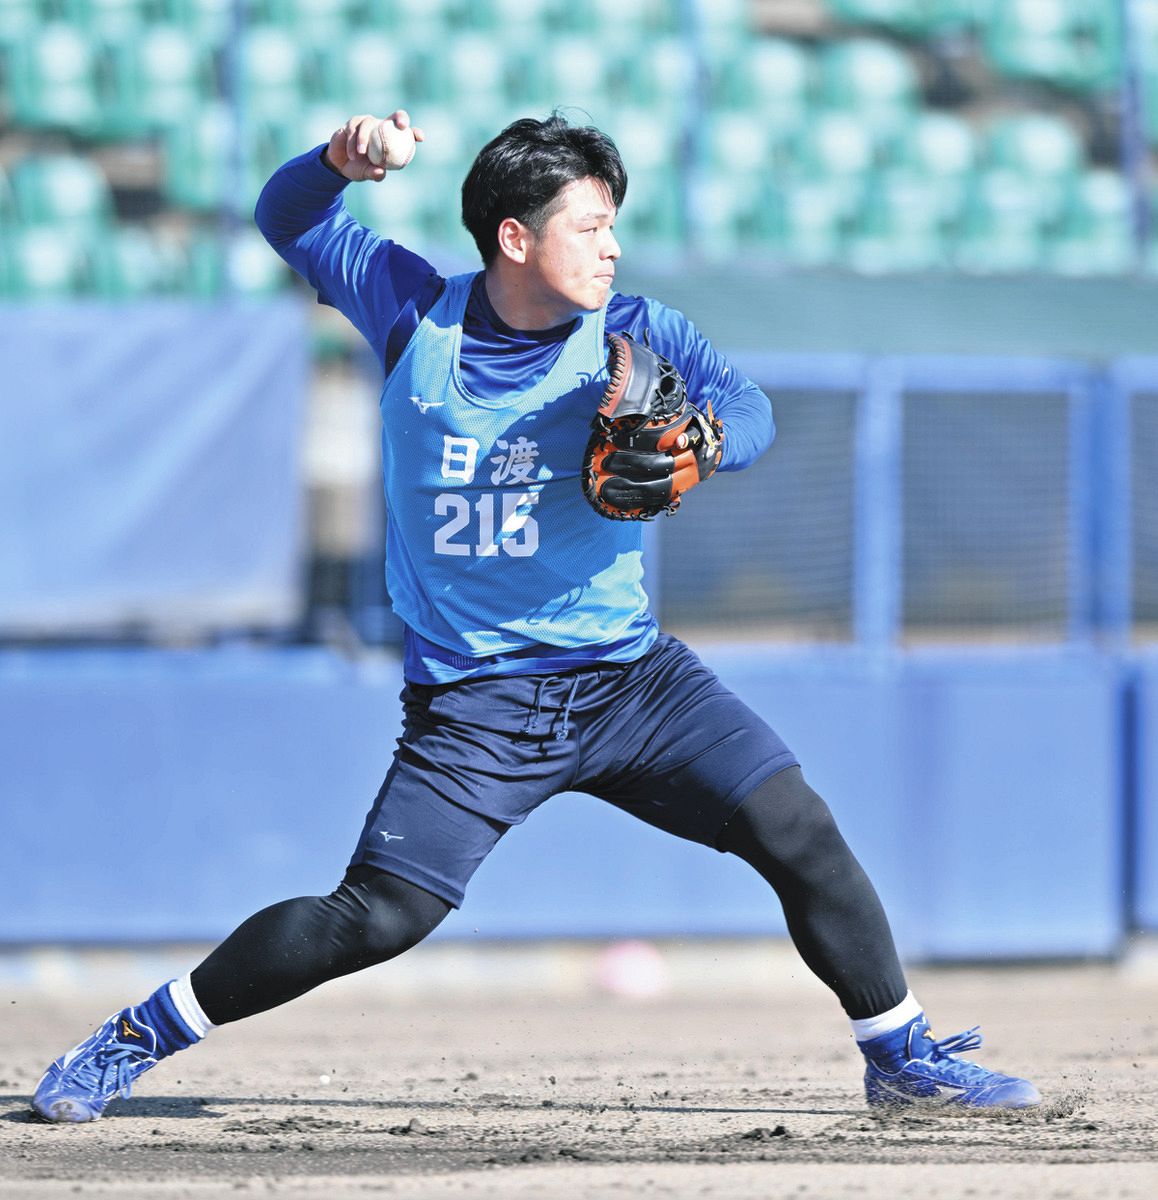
(521, 305)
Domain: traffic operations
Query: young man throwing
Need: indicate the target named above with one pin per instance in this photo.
(532, 663)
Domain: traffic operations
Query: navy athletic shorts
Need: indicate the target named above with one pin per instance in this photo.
(661, 738)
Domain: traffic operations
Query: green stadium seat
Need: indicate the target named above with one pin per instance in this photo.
(1145, 30)
(209, 21)
(406, 207)
(652, 215)
(53, 81)
(735, 142)
(1144, 27)
(1002, 228)
(7, 201)
(912, 17)
(158, 78)
(46, 264)
(312, 125)
(1071, 44)
(18, 18)
(836, 145)
(645, 144)
(725, 22)
(241, 264)
(531, 18)
(1096, 234)
(724, 215)
(272, 72)
(479, 69)
(380, 16)
(447, 143)
(627, 18)
(1041, 146)
(61, 192)
(129, 262)
(768, 77)
(942, 148)
(803, 220)
(902, 224)
(310, 19)
(465, 69)
(274, 141)
(425, 18)
(570, 71)
(102, 19)
(871, 78)
(366, 73)
(938, 143)
(200, 161)
(659, 71)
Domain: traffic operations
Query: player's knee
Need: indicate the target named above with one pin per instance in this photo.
(786, 826)
(391, 915)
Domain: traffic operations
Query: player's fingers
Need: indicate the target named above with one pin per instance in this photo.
(354, 135)
(365, 128)
(401, 118)
(336, 150)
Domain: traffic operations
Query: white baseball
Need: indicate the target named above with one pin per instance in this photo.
(389, 146)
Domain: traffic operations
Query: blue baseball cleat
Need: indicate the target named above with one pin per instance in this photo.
(909, 1066)
(80, 1084)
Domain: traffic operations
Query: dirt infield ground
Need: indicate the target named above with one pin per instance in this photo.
(517, 1080)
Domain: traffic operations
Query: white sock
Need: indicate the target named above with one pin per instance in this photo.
(181, 993)
(867, 1028)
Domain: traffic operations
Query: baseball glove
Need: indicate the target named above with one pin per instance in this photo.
(650, 444)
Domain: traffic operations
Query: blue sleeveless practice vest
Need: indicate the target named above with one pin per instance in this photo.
(491, 546)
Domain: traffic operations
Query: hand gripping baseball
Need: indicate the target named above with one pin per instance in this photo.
(649, 445)
(366, 147)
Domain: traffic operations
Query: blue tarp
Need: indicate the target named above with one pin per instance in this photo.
(149, 466)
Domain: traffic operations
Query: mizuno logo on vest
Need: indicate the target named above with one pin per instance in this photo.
(424, 406)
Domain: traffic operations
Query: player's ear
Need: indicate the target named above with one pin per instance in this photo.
(514, 239)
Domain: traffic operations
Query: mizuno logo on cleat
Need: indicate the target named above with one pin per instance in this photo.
(938, 1094)
(127, 1030)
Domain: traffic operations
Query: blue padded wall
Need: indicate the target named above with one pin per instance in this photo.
(1143, 851)
(152, 795)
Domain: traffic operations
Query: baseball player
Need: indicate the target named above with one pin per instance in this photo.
(523, 405)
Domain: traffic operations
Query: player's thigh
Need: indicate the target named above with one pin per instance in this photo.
(464, 772)
(684, 751)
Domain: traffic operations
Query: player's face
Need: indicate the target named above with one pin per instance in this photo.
(573, 260)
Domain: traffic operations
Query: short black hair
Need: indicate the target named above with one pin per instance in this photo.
(521, 172)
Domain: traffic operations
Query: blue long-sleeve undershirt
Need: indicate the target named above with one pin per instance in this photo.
(369, 279)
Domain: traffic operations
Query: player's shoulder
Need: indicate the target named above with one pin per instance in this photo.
(666, 329)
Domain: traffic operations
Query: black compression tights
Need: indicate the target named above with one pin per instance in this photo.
(291, 947)
(785, 830)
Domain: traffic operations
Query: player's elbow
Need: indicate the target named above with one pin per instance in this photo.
(766, 425)
(749, 430)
